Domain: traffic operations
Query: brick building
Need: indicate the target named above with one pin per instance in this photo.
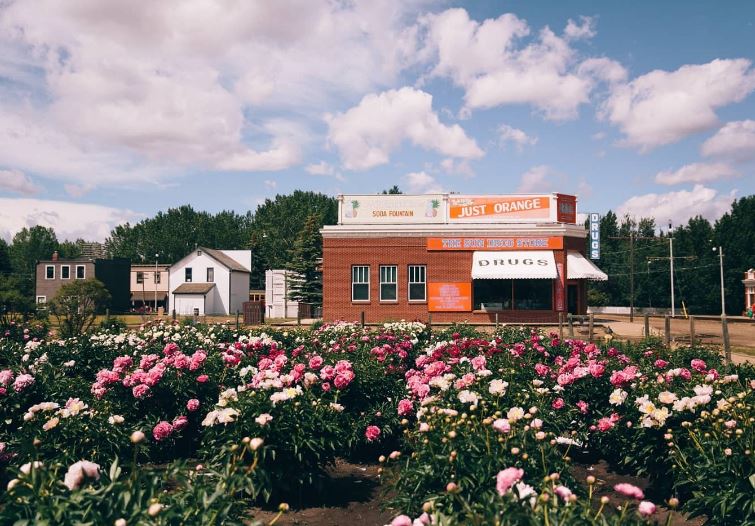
(53, 273)
(520, 257)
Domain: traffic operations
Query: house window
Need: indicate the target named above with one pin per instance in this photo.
(157, 277)
(50, 272)
(41, 300)
(81, 272)
(388, 283)
(140, 277)
(187, 275)
(210, 275)
(417, 282)
(65, 271)
(360, 283)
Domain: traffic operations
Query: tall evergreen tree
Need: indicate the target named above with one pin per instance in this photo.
(306, 260)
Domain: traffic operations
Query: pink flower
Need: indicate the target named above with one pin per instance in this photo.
(565, 379)
(402, 520)
(22, 382)
(180, 423)
(325, 386)
(162, 430)
(698, 365)
(582, 405)
(405, 407)
(6, 377)
(372, 433)
(507, 478)
(629, 490)
(170, 348)
(192, 405)
(542, 370)
(197, 360)
(140, 391)
(646, 508)
(563, 492)
(328, 372)
(315, 362)
(148, 361)
(478, 362)
(121, 363)
(596, 369)
(558, 403)
(660, 364)
(202, 378)
(604, 424)
(502, 425)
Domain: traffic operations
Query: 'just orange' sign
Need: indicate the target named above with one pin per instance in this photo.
(524, 207)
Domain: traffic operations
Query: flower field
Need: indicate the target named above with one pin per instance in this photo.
(179, 424)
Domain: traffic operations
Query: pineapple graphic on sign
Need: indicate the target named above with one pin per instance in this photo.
(352, 211)
(432, 208)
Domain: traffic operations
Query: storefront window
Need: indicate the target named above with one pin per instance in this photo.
(533, 294)
(492, 294)
(360, 283)
(417, 282)
(388, 283)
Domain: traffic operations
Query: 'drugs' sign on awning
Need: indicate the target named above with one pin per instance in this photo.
(532, 264)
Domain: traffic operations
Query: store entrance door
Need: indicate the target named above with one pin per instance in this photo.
(572, 299)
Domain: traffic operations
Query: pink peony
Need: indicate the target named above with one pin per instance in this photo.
(646, 508)
(6, 377)
(478, 362)
(22, 382)
(180, 423)
(162, 430)
(596, 369)
(660, 364)
(315, 362)
(698, 365)
(563, 492)
(507, 478)
(558, 403)
(372, 433)
(405, 407)
(202, 378)
(328, 372)
(401, 520)
(197, 360)
(192, 405)
(502, 425)
(170, 348)
(582, 405)
(542, 370)
(629, 490)
(78, 471)
(140, 391)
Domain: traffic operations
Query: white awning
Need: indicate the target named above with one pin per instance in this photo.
(579, 267)
(524, 264)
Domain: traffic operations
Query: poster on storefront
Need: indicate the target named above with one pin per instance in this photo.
(449, 297)
(392, 209)
(594, 236)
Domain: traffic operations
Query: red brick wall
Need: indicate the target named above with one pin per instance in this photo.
(339, 254)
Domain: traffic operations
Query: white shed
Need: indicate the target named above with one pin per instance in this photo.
(277, 304)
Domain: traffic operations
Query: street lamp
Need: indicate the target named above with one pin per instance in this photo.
(155, 283)
(721, 267)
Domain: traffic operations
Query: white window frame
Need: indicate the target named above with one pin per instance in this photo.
(364, 279)
(207, 276)
(138, 273)
(157, 277)
(191, 279)
(390, 269)
(412, 279)
(43, 300)
(84, 274)
(48, 267)
(61, 271)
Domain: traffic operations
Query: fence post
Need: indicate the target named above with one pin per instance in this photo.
(691, 331)
(725, 333)
(590, 326)
(362, 319)
(174, 314)
(666, 330)
(107, 314)
(237, 320)
(560, 326)
(430, 322)
(496, 321)
(571, 325)
(647, 325)
(298, 315)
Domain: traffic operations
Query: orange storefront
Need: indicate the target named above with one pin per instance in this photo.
(517, 258)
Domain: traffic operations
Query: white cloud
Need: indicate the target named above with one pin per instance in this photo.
(366, 134)
(520, 139)
(148, 88)
(78, 190)
(69, 220)
(536, 179)
(422, 183)
(321, 168)
(270, 183)
(736, 140)
(487, 61)
(663, 107)
(576, 31)
(696, 173)
(452, 167)
(679, 206)
(17, 181)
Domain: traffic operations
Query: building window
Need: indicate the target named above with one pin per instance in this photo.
(50, 272)
(65, 272)
(417, 282)
(140, 277)
(533, 294)
(210, 275)
(388, 283)
(157, 277)
(41, 300)
(360, 283)
(187, 275)
(492, 294)
(81, 272)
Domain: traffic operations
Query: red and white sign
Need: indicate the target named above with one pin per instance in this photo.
(495, 243)
(474, 209)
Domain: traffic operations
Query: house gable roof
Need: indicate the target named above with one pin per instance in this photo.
(194, 288)
(217, 255)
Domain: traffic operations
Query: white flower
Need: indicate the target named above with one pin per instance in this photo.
(617, 397)
(54, 421)
(667, 397)
(468, 397)
(703, 390)
(498, 387)
(70, 363)
(263, 419)
(336, 407)
(255, 443)
(26, 468)
(537, 383)
(76, 473)
(115, 419)
(514, 414)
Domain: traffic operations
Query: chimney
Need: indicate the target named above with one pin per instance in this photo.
(55, 256)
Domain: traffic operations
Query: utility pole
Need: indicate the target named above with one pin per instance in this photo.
(631, 239)
(671, 263)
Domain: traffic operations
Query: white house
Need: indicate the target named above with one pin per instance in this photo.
(277, 303)
(209, 281)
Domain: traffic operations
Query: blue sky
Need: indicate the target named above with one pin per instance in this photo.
(111, 111)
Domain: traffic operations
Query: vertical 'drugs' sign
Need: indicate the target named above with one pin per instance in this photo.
(594, 236)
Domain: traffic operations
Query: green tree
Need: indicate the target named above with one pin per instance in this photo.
(13, 303)
(306, 258)
(76, 305)
(5, 266)
(735, 232)
(392, 190)
(277, 224)
(29, 246)
(70, 249)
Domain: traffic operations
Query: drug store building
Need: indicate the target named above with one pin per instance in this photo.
(455, 258)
